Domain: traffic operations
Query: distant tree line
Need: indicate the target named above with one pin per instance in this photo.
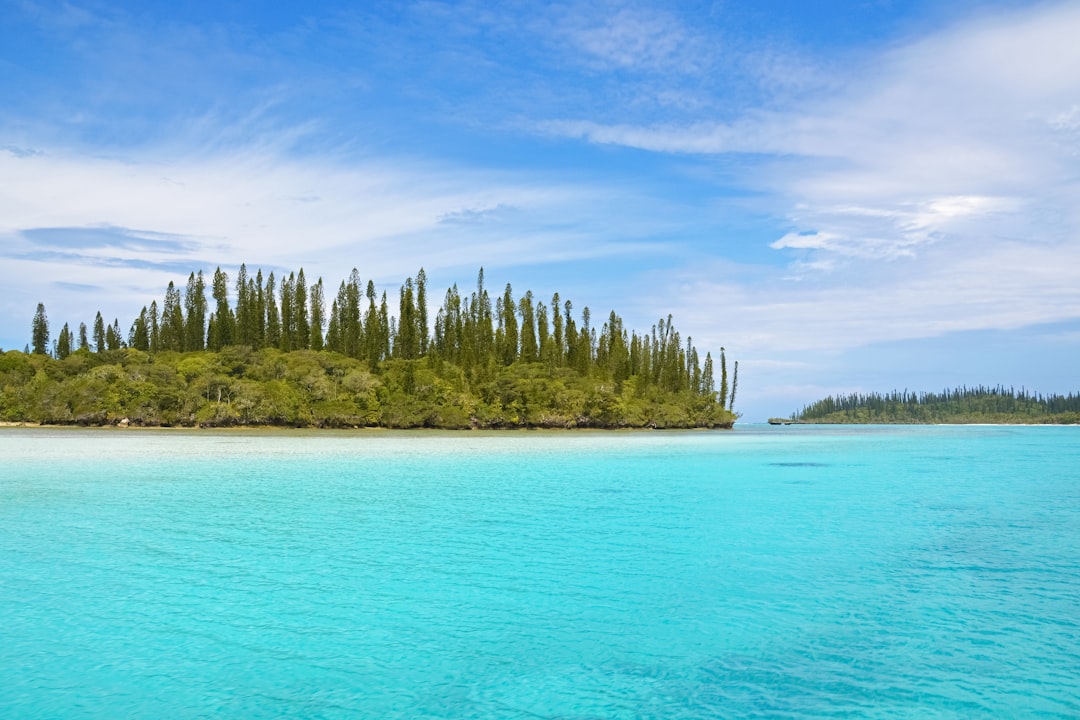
(962, 405)
(470, 335)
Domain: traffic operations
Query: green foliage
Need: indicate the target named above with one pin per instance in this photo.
(221, 332)
(40, 331)
(195, 313)
(99, 334)
(63, 343)
(172, 321)
(487, 365)
(962, 405)
(240, 386)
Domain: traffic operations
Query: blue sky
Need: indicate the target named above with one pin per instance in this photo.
(846, 195)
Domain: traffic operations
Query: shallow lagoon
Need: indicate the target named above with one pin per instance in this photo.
(931, 571)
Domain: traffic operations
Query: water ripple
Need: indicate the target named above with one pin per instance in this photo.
(828, 572)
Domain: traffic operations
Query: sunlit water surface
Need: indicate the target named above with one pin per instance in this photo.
(796, 571)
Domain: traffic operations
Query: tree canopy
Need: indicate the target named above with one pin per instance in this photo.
(961, 405)
(272, 353)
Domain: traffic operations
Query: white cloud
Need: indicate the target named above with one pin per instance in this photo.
(893, 231)
(130, 225)
(699, 137)
(253, 206)
(999, 286)
(1068, 120)
(931, 195)
(633, 38)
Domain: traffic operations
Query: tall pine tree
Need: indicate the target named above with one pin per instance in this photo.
(172, 321)
(195, 313)
(99, 334)
(224, 323)
(63, 342)
(273, 317)
(302, 333)
(318, 308)
(40, 331)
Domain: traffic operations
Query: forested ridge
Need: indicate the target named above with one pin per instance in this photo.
(264, 351)
(962, 405)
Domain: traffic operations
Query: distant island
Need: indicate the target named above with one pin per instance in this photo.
(277, 357)
(978, 405)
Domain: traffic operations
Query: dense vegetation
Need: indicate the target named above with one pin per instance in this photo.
(963, 405)
(275, 356)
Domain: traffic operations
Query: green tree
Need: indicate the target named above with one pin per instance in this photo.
(448, 328)
(734, 385)
(113, 339)
(40, 331)
(506, 336)
(273, 317)
(154, 328)
(195, 313)
(172, 321)
(139, 336)
(693, 369)
(530, 347)
(245, 310)
(406, 343)
(286, 295)
(383, 336)
(557, 338)
(570, 333)
(373, 326)
(723, 380)
(708, 383)
(302, 333)
(352, 330)
(422, 311)
(258, 295)
(482, 328)
(63, 343)
(584, 355)
(333, 329)
(224, 323)
(543, 333)
(613, 353)
(99, 334)
(318, 309)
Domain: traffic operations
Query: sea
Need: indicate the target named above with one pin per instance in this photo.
(789, 572)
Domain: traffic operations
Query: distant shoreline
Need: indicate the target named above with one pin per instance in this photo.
(979, 405)
(940, 424)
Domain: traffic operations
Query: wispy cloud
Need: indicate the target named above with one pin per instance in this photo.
(1003, 286)
(892, 231)
(630, 37)
(931, 196)
(65, 218)
(103, 237)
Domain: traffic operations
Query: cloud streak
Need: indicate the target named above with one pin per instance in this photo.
(67, 218)
(644, 39)
(945, 172)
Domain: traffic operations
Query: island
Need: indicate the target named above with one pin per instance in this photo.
(276, 356)
(964, 405)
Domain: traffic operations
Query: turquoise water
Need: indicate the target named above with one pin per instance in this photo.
(791, 572)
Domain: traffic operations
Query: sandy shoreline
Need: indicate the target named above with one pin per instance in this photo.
(276, 429)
